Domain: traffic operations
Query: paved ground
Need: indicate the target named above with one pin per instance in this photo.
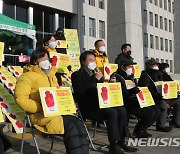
(101, 138)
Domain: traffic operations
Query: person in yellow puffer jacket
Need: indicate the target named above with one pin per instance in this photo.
(41, 74)
(49, 42)
(101, 55)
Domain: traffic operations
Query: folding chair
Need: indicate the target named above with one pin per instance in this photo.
(27, 122)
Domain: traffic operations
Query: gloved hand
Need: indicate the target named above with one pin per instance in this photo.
(134, 90)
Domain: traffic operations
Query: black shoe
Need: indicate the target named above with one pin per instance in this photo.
(164, 129)
(116, 150)
(127, 148)
(141, 134)
(174, 125)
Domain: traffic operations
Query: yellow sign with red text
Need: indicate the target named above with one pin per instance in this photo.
(109, 69)
(136, 70)
(110, 95)
(57, 101)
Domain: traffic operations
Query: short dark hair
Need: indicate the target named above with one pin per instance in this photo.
(84, 55)
(38, 53)
(151, 62)
(124, 46)
(96, 43)
(47, 38)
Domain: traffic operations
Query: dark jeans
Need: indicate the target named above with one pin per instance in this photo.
(75, 136)
(147, 117)
(175, 103)
(116, 121)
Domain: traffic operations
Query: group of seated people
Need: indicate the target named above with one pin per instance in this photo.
(40, 73)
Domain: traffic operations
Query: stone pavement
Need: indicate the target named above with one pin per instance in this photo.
(100, 138)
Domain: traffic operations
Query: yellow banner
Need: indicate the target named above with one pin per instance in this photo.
(1, 52)
(73, 49)
(61, 62)
(136, 70)
(110, 95)
(109, 69)
(16, 70)
(144, 97)
(57, 101)
(167, 89)
(61, 44)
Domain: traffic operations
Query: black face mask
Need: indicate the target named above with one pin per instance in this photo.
(129, 52)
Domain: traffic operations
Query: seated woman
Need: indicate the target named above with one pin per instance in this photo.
(27, 97)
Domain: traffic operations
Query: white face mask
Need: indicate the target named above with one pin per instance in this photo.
(52, 45)
(155, 68)
(102, 49)
(45, 64)
(92, 65)
(167, 70)
(128, 71)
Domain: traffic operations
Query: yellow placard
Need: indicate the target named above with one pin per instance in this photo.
(1, 52)
(57, 101)
(130, 84)
(1, 116)
(168, 89)
(61, 62)
(110, 95)
(178, 84)
(136, 70)
(109, 69)
(61, 44)
(73, 49)
(144, 97)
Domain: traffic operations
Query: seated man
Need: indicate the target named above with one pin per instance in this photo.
(164, 70)
(84, 82)
(148, 77)
(147, 116)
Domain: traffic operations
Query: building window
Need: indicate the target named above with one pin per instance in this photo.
(146, 40)
(101, 29)
(150, 1)
(156, 20)
(162, 43)
(173, 7)
(145, 16)
(167, 61)
(162, 60)
(165, 23)
(152, 41)
(160, 3)
(170, 26)
(101, 4)
(22, 13)
(169, 5)
(156, 2)
(92, 2)
(151, 18)
(49, 22)
(157, 42)
(92, 27)
(161, 22)
(157, 59)
(171, 66)
(165, 4)
(170, 46)
(166, 45)
(9, 10)
(83, 25)
(61, 21)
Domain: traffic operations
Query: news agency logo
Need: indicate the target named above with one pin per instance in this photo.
(154, 142)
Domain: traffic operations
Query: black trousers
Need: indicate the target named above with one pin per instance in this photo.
(116, 121)
(147, 117)
(75, 136)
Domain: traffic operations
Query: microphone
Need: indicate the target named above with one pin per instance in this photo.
(96, 69)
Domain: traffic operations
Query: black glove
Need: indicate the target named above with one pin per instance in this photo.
(134, 90)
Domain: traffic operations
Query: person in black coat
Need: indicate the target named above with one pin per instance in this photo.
(147, 116)
(164, 70)
(84, 83)
(148, 77)
(125, 55)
